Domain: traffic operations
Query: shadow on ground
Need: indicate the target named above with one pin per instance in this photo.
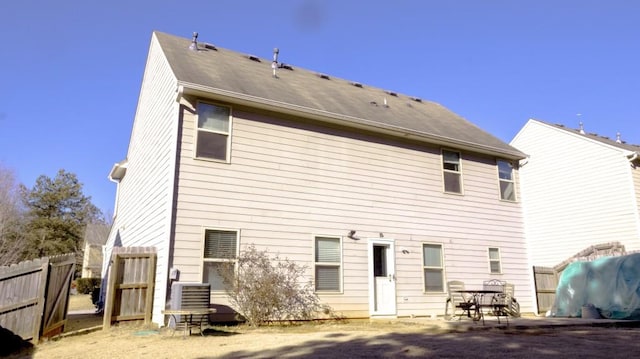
(10, 343)
(211, 332)
(84, 321)
(582, 342)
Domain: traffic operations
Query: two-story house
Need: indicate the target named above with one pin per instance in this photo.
(578, 189)
(383, 196)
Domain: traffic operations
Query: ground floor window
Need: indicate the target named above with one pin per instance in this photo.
(432, 268)
(494, 260)
(220, 249)
(328, 264)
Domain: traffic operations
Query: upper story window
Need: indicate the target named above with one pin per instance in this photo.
(220, 251)
(432, 268)
(452, 171)
(214, 132)
(507, 183)
(494, 260)
(328, 264)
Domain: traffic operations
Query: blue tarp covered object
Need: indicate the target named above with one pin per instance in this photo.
(610, 284)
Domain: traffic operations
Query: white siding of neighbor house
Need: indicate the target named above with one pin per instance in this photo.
(143, 216)
(289, 181)
(577, 192)
(635, 171)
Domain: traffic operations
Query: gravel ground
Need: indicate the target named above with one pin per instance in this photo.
(410, 338)
(363, 339)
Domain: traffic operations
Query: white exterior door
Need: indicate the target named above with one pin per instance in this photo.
(382, 277)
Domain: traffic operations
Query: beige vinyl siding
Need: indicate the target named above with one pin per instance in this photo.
(288, 181)
(145, 193)
(576, 193)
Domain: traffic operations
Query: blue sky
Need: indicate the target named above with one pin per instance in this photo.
(70, 71)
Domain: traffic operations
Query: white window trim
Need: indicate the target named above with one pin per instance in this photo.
(513, 181)
(424, 279)
(459, 172)
(499, 260)
(215, 260)
(197, 131)
(341, 264)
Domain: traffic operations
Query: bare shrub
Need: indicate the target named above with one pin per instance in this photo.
(264, 289)
(12, 242)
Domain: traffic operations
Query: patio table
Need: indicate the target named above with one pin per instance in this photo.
(476, 301)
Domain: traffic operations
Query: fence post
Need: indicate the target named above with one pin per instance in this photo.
(151, 280)
(110, 295)
(42, 290)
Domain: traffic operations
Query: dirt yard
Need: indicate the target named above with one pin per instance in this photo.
(356, 339)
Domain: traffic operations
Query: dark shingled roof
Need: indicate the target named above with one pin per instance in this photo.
(594, 136)
(221, 71)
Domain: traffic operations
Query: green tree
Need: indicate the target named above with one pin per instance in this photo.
(57, 215)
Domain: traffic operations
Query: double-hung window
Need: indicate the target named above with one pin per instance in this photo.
(452, 172)
(432, 267)
(328, 264)
(214, 132)
(494, 261)
(220, 255)
(507, 184)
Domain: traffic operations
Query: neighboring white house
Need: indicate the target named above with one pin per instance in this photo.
(95, 237)
(384, 197)
(578, 190)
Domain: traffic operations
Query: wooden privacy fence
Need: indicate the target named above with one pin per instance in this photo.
(130, 286)
(546, 281)
(34, 296)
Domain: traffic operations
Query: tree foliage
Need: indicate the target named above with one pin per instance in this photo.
(264, 289)
(57, 213)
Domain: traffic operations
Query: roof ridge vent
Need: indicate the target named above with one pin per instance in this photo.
(323, 76)
(416, 99)
(391, 93)
(285, 66)
(253, 58)
(356, 84)
(210, 46)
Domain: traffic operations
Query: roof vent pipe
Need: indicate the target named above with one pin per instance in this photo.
(274, 64)
(618, 137)
(581, 128)
(194, 42)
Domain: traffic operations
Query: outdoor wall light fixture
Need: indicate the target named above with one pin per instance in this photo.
(352, 235)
